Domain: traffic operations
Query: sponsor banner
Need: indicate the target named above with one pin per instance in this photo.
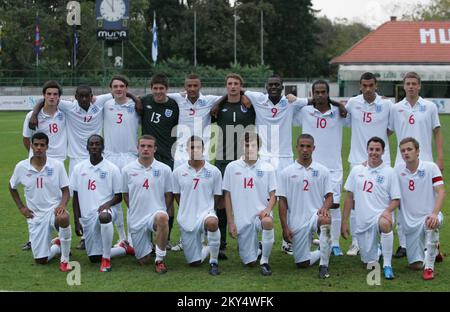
(23, 103)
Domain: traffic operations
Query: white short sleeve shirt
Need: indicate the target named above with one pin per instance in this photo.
(305, 190)
(373, 189)
(418, 195)
(95, 185)
(146, 188)
(368, 120)
(42, 188)
(249, 188)
(416, 121)
(197, 190)
(274, 123)
(56, 130)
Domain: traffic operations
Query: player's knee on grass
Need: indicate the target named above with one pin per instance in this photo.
(416, 265)
(41, 260)
(104, 217)
(267, 223)
(385, 225)
(63, 220)
(195, 263)
(211, 224)
(303, 265)
(95, 258)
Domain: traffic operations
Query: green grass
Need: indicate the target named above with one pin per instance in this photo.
(18, 271)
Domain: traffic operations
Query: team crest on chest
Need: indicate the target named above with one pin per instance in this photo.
(315, 173)
(49, 171)
(201, 103)
(378, 108)
(259, 173)
(380, 179)
(94, 109)
(156, 173)
(60, 116)
(103, 174)
(422, 108)
(244, 109)
(130, 109)
(168, 113)
(421, 173)
(207, 174)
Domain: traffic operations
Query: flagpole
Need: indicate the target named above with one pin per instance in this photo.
(195, 38)
(262, 37)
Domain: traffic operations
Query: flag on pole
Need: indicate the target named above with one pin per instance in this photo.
(75, 45)
(0, 39)
(155, 40)
(37, 39)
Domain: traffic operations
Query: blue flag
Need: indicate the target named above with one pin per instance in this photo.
(37, 39)
(155, 40)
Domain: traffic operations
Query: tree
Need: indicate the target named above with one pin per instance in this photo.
(436, 10)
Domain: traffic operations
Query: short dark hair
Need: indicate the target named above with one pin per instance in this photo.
(305, 136)
(252, 136)
(376, 140)
(120, 78)
(83, 87)
(409, 139)
(277, 77)
(40, 136)
(98, 136)
(195, 138)
(319, 82)
(368, 76)
(52, 84)
(159, 79)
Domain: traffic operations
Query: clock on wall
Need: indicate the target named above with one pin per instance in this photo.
(112, 19)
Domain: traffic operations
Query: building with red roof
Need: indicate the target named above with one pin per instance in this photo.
(395, 48)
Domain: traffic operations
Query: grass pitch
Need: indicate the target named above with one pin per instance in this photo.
(18, 272)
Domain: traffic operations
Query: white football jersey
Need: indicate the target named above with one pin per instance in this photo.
(197, 190)
(55, 128)
(367, 120)
(249, 188)
(42, 189)
(326, 128)
(418, 122)
(95, 185)
(305, 190)
(373, 189)
(194, 119)
(120, 129)
(146, 188)
(417, 189)
(82, 124)
(274, 123)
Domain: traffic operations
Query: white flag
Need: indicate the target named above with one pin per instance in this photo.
(155, 40)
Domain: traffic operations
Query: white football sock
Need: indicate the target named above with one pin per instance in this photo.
(214, 244)
(314, 256)
(160, 254)
(401, 235)
(335, 226)
(387, 244)
(65, 237)
(431, 241)
(107, 232)
(325, 246)
(120, 227)
(353, 228)
(205, 252)
(268, 238)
